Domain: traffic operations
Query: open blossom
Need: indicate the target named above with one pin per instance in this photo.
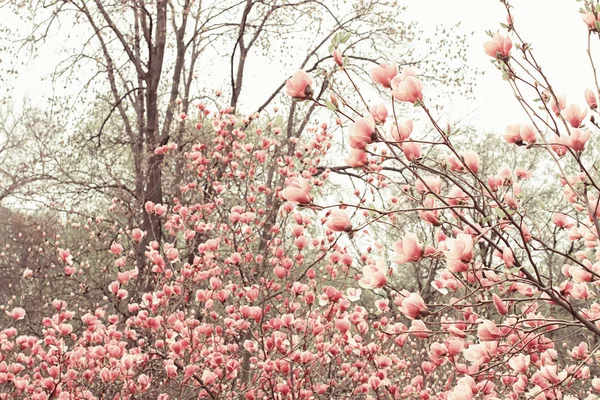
(357, 158)
(379, 113)
(488, 331)
(412, 150)
(429, 184)
(512, 135)
(298, 191)
(519, 363)
(299, 85)
(362, 132)
(459, 252)
(408, 249)
(406, 72)
(339, 222)
(472, 160)
(527, 133)
(556, 108)
(17, 313)
(409, 90)
(574, 115)
(383, 74)
(577, 139)
(401, 132)
(413, 306)
(374, 275)
(498, 47)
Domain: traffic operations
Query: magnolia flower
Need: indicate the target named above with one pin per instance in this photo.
(459, 252)
(412, 150)
(17, 313)
(401, 132)
(338, 58)
(577, 139)
(383, 74)
(379, 113)
(557, 107)
(472, 160)
(298, 191)
(408, 249)
(339, 222)
(299, 85)
(362, 132)
(374, 275)
(574, 115)
(413, 306)
(357, 158)
(499, 304)
(590, 98)
(488, 331)
(498, 47)
(409, 90)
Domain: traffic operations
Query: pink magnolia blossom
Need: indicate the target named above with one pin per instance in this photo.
(590, 98)
(561, 220)
(556, 108)
(412, 150)
(488, 331)
(519, 363)
(379, 113)
(498, 47)
(362, 132)
(338, 221)
(357, 158)
(419, 329)
(472, 160)
(527, 133)
(574, 115)
(499, 304)
(406, 72)
(338, 58)
(512, 134)
(429, 184)
(413, 306)
(17, 313)
(408, 249)
(459, 252)
(383, 74)
(590, 19)
(374, 275)
(342, 324)
(409, 90)
(299, 85)
(577, 139)
(297, 191)
(401, 132)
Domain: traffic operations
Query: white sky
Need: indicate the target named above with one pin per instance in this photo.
(554, 27)
(559, 38)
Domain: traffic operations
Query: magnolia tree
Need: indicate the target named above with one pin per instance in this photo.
(287, 296)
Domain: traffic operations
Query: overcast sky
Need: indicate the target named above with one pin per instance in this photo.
(559, 39)
(554, 27)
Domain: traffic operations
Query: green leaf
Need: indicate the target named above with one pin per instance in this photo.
(345, 37)
(597, 24)
(499, 213)
(330, 105)
(503, 25)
